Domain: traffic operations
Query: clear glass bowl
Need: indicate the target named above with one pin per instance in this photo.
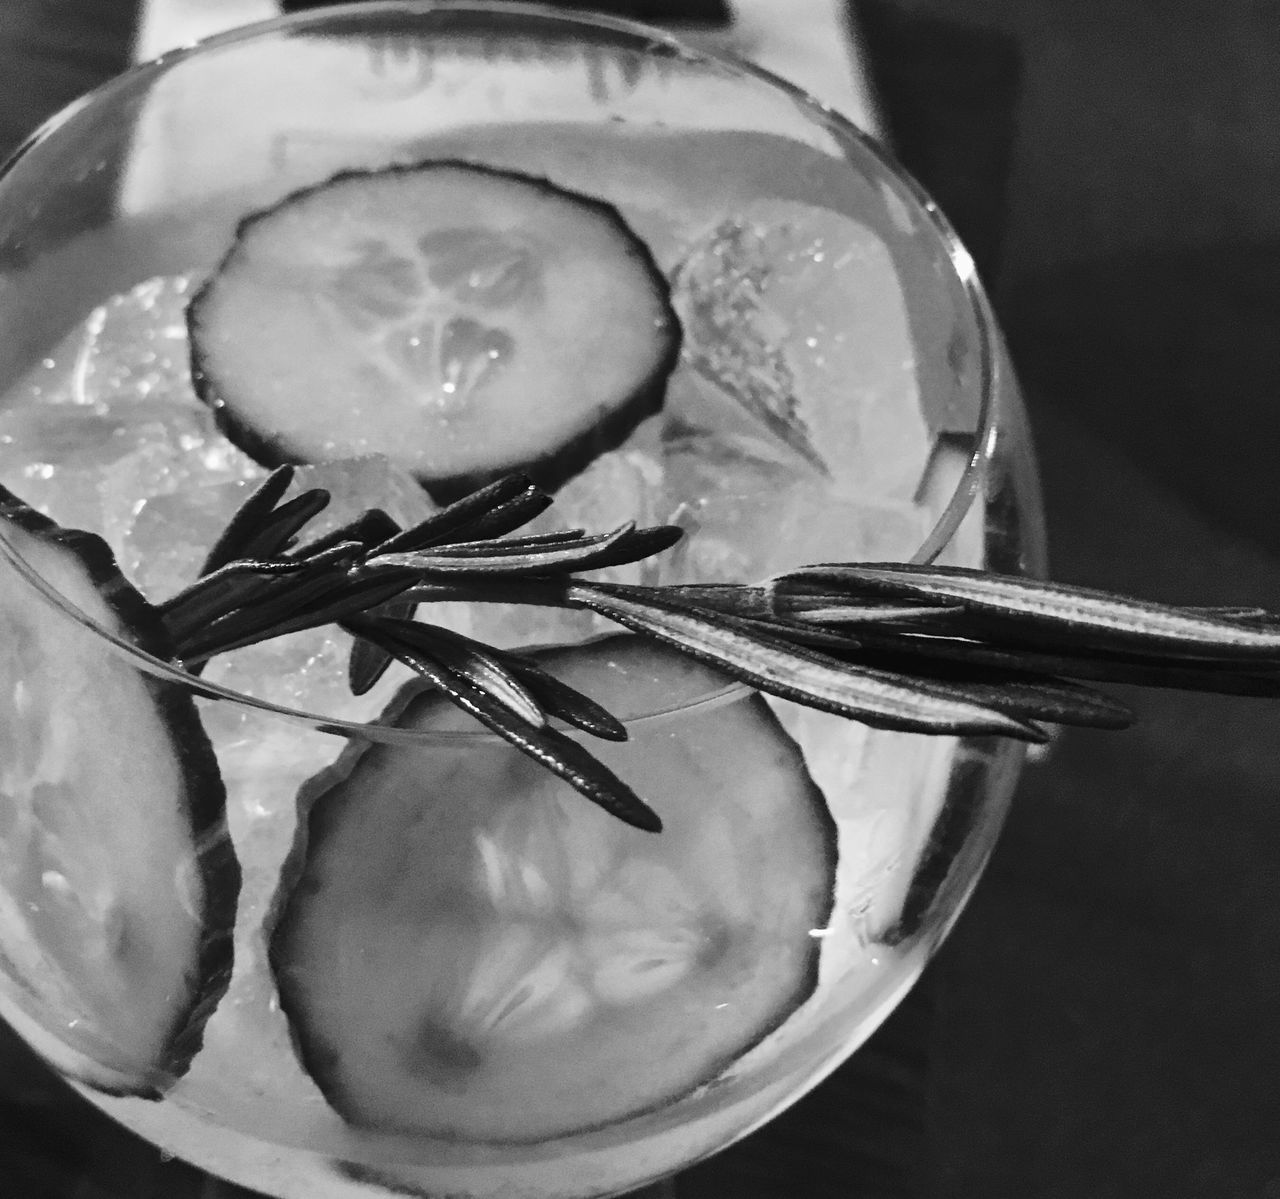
(109, 217)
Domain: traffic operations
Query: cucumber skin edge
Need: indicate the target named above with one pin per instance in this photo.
(204, 798)
(550, 470)
(313, 1052)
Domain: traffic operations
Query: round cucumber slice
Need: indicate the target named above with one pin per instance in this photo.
(462, 320)
(118, 882)
(466, 949)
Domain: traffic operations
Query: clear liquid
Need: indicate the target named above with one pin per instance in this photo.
(827, 323)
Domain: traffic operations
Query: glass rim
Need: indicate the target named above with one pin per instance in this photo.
(821, 114)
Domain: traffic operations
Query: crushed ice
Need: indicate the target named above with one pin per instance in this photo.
(786, 319)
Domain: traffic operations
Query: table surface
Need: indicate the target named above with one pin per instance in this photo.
(1103, 1021)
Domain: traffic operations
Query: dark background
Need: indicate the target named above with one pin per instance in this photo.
(1104, 1020)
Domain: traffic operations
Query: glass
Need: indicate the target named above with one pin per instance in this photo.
(110, 217)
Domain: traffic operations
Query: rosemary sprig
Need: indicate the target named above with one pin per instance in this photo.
(768, 662)
(542, 695)
(923, 649)
(536, 557)
(254, 514)
(550, 748)
(1052, 615)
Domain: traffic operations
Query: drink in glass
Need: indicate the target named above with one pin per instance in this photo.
(329, 943)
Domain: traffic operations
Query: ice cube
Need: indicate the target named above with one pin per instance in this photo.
(736, 537)
(136, 348)
(885, 791)
(311, 661)
(619, 486)
(111, 419)
(357, 484)
(93, 466)
(886, 822)
(169, 536)
(52, 456)
(308, 670)
(796, 315)
(168, 459)
(748, 516)
(616, 487)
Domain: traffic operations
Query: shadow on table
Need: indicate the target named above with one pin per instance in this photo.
(1173, 356)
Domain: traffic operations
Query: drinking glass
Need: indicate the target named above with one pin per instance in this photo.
(750, 197)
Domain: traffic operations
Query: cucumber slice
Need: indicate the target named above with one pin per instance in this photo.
(118, 882)
(462, 320)
(465, 949)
